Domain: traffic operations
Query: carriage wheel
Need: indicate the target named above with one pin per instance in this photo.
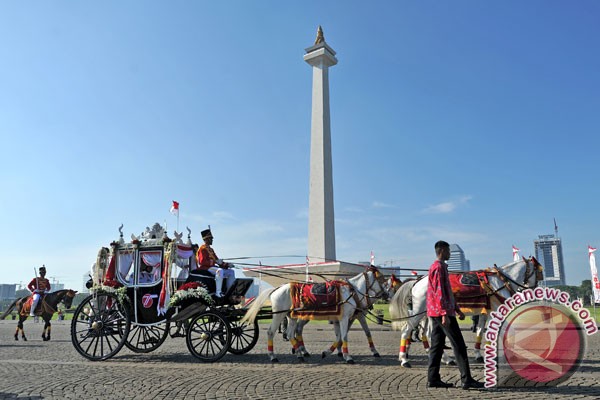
(243, 337)
(100, 327)
(208, 336)
(146, 338)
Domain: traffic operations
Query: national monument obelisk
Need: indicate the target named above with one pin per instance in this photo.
(322, 263)
(321, 224)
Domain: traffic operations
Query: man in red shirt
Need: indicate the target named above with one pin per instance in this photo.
(208, 261)
(442, 310)
(38, 286)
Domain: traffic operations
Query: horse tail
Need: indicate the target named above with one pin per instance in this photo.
(9, 309)
(257, 304)
(400, 304)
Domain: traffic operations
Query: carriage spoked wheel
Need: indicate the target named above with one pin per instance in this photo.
(243, 337)
(208, 336)
(146, 338)
(100, 326)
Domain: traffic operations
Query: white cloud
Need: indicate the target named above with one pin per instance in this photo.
(379, 204)
(353, 209)
(447, 206)
(222, 215)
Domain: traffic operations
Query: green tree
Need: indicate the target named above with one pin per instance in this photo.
(585, 291)
(572, 290)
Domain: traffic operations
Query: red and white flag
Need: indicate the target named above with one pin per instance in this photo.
(175, 208)
(516, 254)
(414, 273)
(595, 281)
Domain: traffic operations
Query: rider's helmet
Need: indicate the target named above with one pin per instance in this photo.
(42, 270)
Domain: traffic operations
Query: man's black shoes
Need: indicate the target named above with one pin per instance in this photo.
(472, 384)
(439, 384)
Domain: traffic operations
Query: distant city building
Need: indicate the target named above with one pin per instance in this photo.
(8, 291)
(548, 251)
(457, 261)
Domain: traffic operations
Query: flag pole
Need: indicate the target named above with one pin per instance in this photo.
(259, 277)
(306, 277)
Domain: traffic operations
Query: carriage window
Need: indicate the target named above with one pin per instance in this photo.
(125, 266)
(183, 260)
(150, 262)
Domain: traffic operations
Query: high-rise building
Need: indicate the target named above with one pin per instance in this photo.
(548, 251)
(457, 261)
(7, 291)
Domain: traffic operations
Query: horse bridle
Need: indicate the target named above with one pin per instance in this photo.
(68, 293)
(537, 270)
(379, 278)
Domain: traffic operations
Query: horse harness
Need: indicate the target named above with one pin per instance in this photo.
(358, 296)
(379, 278)
(47, 308)
(509, 282)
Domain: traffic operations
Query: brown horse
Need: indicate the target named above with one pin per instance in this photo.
(46, 310)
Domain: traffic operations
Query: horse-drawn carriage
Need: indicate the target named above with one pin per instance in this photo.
(143, 291)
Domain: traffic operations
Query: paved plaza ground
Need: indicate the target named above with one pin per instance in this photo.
(54, 370)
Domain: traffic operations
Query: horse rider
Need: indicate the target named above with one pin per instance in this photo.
(38, 286)
(208, 261)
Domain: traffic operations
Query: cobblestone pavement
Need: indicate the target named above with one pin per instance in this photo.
(53, 370)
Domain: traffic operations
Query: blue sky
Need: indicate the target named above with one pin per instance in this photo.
(472, 122)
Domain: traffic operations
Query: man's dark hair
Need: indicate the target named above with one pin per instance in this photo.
(439, 245)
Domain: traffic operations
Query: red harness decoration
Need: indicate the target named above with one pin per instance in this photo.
(469, 289)
(316, 301)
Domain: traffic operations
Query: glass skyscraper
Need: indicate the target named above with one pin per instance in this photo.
(548, 251)
(457, 261)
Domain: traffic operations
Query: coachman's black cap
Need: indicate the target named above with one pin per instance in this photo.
(206, 234)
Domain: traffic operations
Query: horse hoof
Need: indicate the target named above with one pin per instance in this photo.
(17, 339)
(274, 360)
(306, 354)
(324, 354)
(350, 361)
(406, 365)
(479, 359)
(24, 339)
(293, 351)
(340, 355)
(376, 355)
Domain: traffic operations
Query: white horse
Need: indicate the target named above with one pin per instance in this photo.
(408, 306)
(355, 296)
(392, 285)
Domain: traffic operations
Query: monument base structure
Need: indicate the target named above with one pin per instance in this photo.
(315, 272)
